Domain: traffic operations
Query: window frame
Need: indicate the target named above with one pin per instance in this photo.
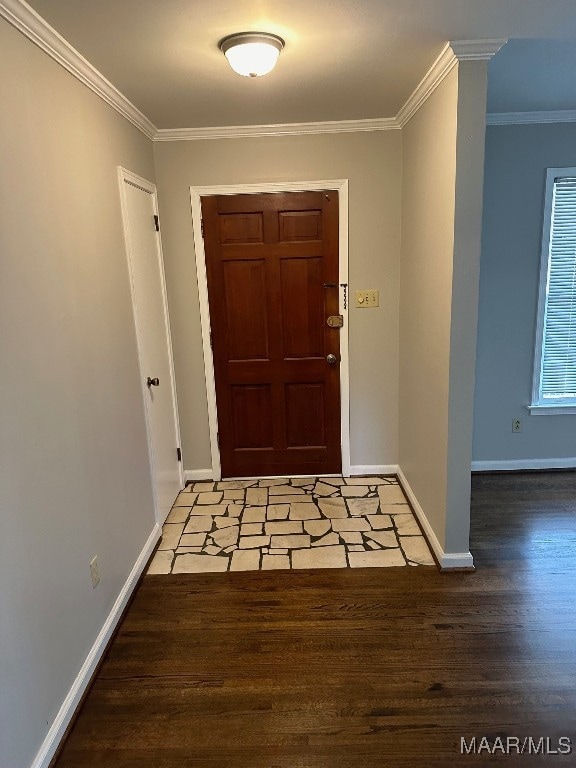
(539, 406)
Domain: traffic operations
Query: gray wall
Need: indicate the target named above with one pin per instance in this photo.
(73, 451)
(441, 224)
(429, 172)
(516, 162)
(372, 163)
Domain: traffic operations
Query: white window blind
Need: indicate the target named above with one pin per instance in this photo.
(557, 321)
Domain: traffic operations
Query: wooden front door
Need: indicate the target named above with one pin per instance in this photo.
(272, 269)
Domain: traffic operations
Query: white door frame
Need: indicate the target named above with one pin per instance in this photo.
(125, 176)
(196, 193)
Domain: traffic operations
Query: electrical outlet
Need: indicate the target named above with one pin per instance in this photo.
(516, 425)
(94, 572)
(365, 299)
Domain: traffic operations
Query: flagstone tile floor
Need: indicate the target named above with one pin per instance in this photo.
(276, 524)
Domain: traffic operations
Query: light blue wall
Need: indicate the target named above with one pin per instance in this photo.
(516, 161)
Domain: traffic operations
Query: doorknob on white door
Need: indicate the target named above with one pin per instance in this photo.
(153, 382)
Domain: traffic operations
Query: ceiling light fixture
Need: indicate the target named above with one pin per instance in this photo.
(252, 54)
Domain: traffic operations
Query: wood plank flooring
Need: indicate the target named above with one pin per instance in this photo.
(352, 668)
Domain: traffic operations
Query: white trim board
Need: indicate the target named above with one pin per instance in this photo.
(531, 118)
(70, 703)
(355, 471)
(447, 560)
(191, 475)
(450, 55)
(373, 469)
(514, 465)
(277, 129)
(196, 193)
(35, 28)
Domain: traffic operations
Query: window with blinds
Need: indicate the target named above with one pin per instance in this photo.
(555, 368)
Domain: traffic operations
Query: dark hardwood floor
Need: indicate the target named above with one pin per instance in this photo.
(352, 668)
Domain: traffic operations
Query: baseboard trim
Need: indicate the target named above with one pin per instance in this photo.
(68, 708)
(457, 561)
(446, 561)
(520, 464)
(356, 469)
(373, 469)
(198, 474)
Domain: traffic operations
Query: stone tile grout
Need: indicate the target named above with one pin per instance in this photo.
(304, 495)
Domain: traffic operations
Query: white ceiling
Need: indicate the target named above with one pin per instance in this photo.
(344, 59)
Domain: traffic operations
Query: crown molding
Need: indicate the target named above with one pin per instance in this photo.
(531, 118)
(450, 55)
(279, 129)
(443, 65)
(25, 19)
(476, 50)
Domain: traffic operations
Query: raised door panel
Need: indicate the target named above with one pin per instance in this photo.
(241, 228)
(302, 314)
(252, 416)
(245, 309)
(298, 226)
(305, 415)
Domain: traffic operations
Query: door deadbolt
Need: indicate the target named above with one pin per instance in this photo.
(153, 382)
(335, 321)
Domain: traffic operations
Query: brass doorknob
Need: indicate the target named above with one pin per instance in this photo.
(153, 382)
(331, 359)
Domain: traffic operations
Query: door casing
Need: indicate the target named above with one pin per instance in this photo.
(196, 193)
(125, 176)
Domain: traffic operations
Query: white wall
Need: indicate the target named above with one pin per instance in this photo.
(516, 161)
(73, 452)
(372, 163)
(441, 224)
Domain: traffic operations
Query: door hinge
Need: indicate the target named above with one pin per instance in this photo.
(218, 438)
(211, 344)
(156, 223)
(202, 227)
(179, 454)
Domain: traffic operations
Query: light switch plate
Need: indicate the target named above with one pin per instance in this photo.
(366, 299)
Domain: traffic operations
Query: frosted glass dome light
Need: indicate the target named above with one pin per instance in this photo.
(252, 54)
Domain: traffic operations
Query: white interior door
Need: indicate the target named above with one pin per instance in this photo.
(139, 210)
